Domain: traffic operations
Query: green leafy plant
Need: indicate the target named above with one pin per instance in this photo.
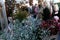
(20, 15)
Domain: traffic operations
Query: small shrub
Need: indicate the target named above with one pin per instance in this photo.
(20, 15)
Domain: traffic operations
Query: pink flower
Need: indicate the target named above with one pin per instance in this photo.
(56, 18)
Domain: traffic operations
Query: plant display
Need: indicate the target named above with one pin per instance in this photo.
(28, 29)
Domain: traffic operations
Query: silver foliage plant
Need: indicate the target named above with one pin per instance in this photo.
(22, 31)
